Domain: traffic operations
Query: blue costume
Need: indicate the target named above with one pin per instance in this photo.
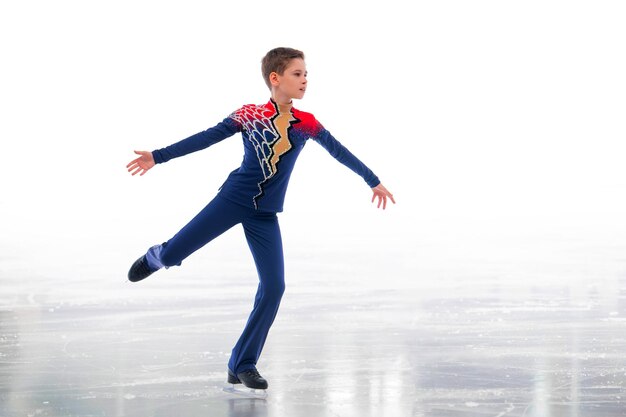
(273, 136)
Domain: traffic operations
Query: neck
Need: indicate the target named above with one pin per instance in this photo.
(282, 101)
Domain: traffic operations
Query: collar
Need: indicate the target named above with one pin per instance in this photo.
(281, 108)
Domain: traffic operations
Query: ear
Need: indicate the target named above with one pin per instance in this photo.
(274, 78)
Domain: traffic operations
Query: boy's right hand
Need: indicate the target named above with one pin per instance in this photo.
(142, 164)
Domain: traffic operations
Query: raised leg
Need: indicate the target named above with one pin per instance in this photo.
(216, 218)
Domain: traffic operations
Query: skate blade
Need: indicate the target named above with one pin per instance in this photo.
(246, 392)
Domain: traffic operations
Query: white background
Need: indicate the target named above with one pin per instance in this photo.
(486, 119)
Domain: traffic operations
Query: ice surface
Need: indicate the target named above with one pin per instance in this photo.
(529, 326)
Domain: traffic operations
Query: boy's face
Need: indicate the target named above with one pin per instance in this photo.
(292, 83)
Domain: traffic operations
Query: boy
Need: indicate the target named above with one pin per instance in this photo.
(273, 136)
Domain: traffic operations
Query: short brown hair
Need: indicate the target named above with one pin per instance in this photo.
(276, 61)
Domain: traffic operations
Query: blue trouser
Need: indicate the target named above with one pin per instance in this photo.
(263, 236)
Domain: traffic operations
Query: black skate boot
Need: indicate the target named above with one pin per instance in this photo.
(254, 384)
(139, 270)
(251, 379)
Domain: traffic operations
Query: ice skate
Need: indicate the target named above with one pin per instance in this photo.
(147, 264)
(247, 384)
(139, 270)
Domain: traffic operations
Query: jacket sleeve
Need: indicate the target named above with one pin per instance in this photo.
(199, 141)
(343, 155)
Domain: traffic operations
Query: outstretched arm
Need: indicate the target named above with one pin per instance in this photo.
(200, 140)
(142, 164)
(343, 155)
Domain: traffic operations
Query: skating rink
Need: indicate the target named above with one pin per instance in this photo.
(454, 322)
(496, 287)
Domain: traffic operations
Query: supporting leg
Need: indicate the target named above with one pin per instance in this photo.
(263, 236)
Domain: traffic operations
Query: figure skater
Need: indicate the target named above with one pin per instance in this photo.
(273, 135)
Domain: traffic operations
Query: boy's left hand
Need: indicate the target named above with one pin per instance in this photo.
(382, 193)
